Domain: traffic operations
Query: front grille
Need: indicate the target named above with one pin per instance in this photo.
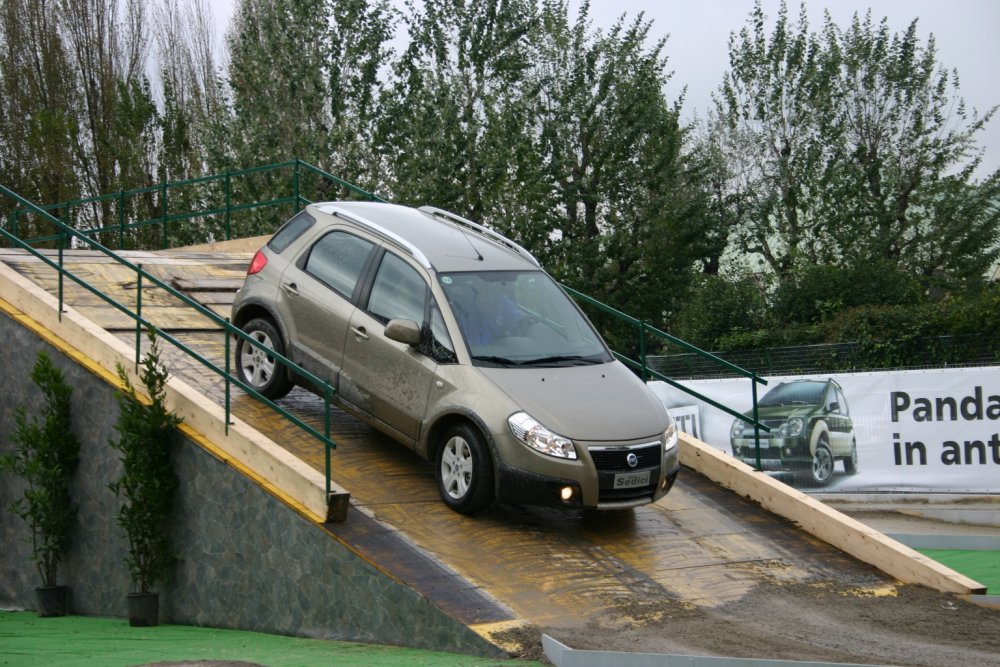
(614, 460)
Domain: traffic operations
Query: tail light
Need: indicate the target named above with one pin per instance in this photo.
(259, 262)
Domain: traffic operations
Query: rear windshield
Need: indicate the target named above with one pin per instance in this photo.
(290, 231)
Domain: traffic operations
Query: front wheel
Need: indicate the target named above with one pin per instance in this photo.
(822, 464)
(465, 470)
(255, 366)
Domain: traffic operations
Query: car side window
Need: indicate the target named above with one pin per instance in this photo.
(290, 231)
(399, 292)
(337, 260)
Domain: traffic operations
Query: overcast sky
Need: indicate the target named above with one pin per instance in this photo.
(966, 32)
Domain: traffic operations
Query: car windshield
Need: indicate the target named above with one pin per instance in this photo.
(801, 393)
(520, 319)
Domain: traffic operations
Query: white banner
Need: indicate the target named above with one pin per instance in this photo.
(913, 431)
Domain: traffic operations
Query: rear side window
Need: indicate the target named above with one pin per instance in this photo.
(337, 260)
(290, 231)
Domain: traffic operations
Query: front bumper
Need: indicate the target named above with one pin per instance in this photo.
(776, 454)
(522, 486)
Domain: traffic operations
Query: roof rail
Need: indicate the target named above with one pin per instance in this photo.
(396, 239)
(481, 229)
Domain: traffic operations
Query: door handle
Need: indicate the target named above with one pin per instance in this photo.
(360, 333)
(290, 289)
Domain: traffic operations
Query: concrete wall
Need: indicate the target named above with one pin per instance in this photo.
(246, 560)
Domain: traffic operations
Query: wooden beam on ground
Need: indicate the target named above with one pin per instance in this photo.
(847, 534)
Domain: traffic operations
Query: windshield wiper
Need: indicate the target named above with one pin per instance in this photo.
(576, 359)
(499, 361)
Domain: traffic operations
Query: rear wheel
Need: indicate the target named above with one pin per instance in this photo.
(851, 463)
(255, 366)
(464, 470)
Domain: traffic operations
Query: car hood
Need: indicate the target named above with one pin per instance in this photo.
(605, 402)
(783, 412)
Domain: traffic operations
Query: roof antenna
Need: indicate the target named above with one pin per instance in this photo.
(465, 233)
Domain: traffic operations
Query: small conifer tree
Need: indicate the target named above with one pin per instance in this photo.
(148, 484)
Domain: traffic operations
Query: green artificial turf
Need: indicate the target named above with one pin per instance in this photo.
(83, 641)
(982, 566)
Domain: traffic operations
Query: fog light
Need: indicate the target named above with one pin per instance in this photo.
(788, 451)
(566, 493)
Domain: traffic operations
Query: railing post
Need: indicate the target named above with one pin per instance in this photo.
(121, 220)
(164, 198)
(326, 433)
(62, 272)
(295, 183)
(228, 190)
(138, 316)
(14, 222)
(642, 351)
(225, 334)
(756, 420)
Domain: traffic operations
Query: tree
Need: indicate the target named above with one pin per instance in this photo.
(193, 114)
(904, 190)
(857, 148)
(107, 42)
(39, 129)
(362, 30)
(559, 136)
(629, 212)
(304, 76)
(448, 123)
(147, 485)
(771, 110)
(46, 456)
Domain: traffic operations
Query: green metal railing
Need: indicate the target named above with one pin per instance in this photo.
(65, 234)
(128, 225)
(155, 201)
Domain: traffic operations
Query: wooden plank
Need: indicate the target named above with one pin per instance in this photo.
(852, 536)
(207, 284)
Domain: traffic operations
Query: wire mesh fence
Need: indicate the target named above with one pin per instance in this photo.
(853, 357)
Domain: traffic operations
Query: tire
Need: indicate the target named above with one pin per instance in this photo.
(851, 463)
(258, 369)
(464, 470)
(822, 464)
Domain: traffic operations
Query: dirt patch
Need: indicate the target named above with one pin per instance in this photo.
(905, 625)
(523, 642)
(203, 663)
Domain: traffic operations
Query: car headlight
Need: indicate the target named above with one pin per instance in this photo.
(737, 430)
(794, 427)
(670, 435)
(526, 429)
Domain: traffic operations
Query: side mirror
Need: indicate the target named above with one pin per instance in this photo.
(835, 407)
(403, 331)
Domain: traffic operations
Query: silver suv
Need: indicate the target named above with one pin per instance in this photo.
(452, 340)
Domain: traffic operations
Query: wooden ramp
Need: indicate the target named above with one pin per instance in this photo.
(701, 548)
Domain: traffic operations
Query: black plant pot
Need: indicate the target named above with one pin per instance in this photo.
(143, 609)
(51, 600)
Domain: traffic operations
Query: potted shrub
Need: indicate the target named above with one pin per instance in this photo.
(147, 484)
(46, 454)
